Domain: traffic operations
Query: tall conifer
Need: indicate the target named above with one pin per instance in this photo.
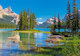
(59, 23)
(68, 16)
(20, 22)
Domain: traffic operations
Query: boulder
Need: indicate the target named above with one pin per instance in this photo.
(15, 38)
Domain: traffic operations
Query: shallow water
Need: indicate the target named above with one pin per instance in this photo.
(29, 40)
(40, 29)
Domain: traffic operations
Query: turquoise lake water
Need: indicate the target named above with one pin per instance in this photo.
(29, 40)
(8, 47)
(41, 29)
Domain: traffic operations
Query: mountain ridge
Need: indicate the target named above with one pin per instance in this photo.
(8, 12)
(47, 23)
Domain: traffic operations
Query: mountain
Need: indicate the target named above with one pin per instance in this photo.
(64, 19)
(47, 23)
(8, 15)
(38, 23)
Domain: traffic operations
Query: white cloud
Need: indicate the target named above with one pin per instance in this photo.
(39, 18)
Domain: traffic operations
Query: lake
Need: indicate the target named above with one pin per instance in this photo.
(40, 29)
(30, 40)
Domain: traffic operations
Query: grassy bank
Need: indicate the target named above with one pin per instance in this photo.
(30, 31)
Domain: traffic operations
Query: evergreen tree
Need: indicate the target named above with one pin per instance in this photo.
(20, 22)
(69, 15)
(77, 21)
(33, 21)
(25, 20)
(30, 21)
(74, 22)
(54, 24)
(28, 18)
(59, 24)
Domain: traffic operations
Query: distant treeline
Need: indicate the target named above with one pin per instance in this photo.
(7, 25)
(5, 22)
(27, 20)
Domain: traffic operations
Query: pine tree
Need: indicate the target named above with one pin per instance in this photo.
(25, 20)
(59, 24)
(33, 20)
(20, 22)
(74, 22)
(69, 15)
(54, 24)
(77, 21)
(28, 17)
(30, 21)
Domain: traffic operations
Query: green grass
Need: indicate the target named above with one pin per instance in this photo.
(30, 31)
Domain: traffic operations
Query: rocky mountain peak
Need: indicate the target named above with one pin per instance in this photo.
(8, 11)
(9, 8)
(47, 23)
(1, 7)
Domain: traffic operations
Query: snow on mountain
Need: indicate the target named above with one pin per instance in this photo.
(8, 11)
(51, 20)
(38, 23)
(47, 23)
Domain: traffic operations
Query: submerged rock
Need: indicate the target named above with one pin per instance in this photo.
(52, 40)
(15, 38)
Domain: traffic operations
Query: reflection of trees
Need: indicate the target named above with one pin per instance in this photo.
(27, 40)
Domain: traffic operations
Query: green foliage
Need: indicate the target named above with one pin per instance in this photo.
(69, 16)
(20, 22)
(59, 23)
(75, 19)
(72, 20)
(27, 21)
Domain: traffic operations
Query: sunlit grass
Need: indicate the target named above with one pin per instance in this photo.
(30, 31)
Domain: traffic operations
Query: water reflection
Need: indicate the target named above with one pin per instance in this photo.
(31, 40)
(28, 41)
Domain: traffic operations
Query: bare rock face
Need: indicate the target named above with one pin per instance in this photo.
(1, 7)
(8, 11)
(9, 8)
(51, 20)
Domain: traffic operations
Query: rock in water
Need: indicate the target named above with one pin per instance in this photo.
(15, 38)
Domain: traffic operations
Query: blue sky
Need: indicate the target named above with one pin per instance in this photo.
(43, 9)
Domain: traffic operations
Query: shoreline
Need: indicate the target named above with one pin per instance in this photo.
(30, 31)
